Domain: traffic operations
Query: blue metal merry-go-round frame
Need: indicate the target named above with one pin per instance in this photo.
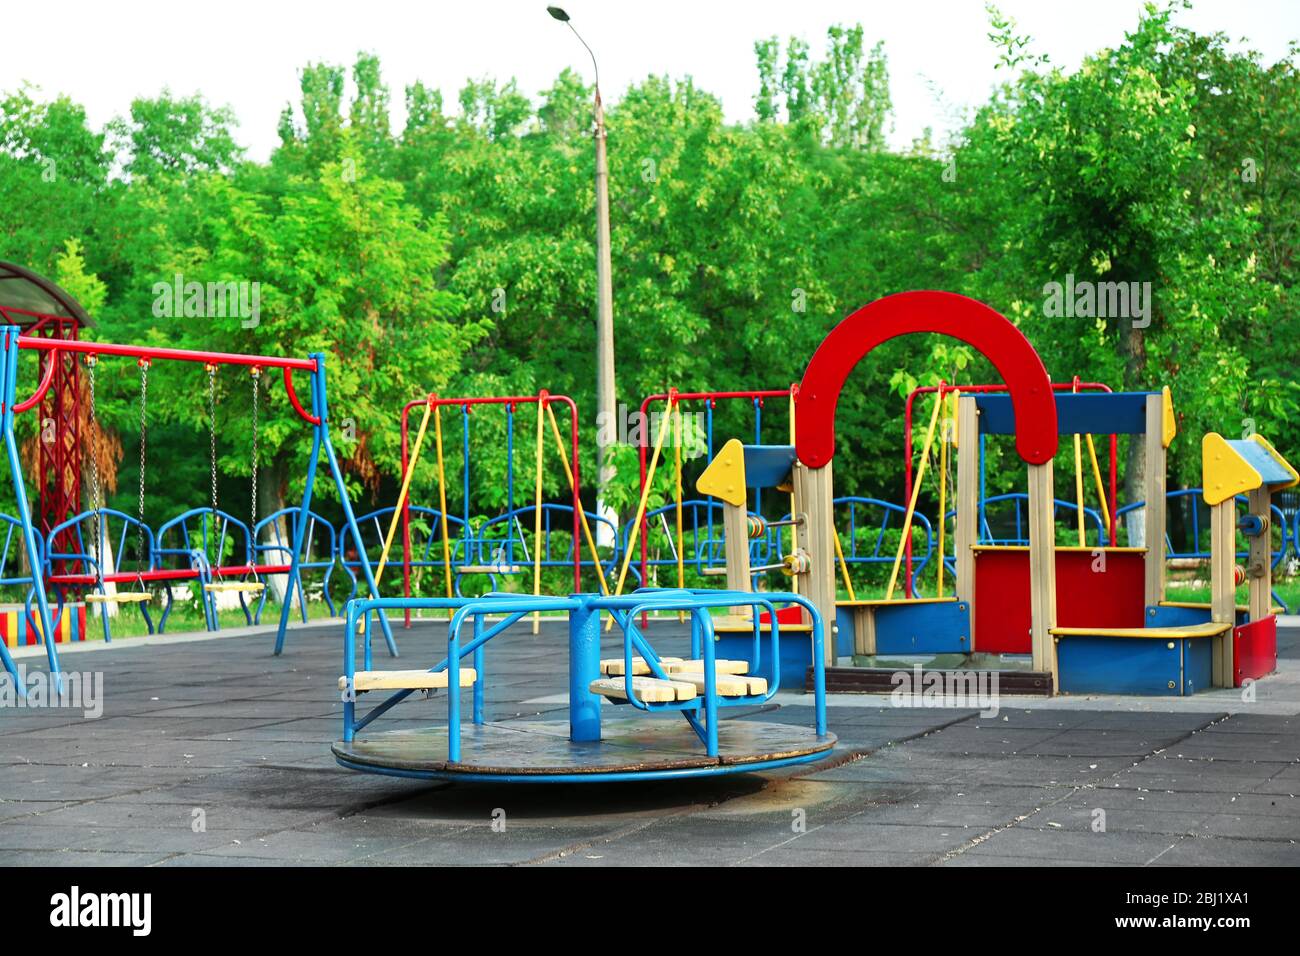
(587, 748)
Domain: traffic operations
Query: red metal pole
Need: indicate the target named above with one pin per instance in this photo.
(406, 518)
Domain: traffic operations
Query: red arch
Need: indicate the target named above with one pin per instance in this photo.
(948, 314)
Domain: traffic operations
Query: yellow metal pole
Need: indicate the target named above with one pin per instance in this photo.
(537, 511)
(640, 514)
(677, 457)
(944, 437)
(844, 565)
(568, 474)
(911, 505)
(401, 495)
(1101, 490)
(1078, 480)
(794, 508)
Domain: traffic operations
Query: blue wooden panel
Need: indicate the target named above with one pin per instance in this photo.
(1134, 665)
(796, 653)
(1197, 664)
(1182, 616)
(923, 628)
(1084, 413)
(768, 465)
(1257, 456)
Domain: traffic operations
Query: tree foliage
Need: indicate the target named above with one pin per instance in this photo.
(456, 254)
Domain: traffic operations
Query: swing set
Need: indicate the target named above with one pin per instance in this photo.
(707, 550)
(97, 567)
(500, 546)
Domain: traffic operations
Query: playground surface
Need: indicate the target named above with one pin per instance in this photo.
(211, 751)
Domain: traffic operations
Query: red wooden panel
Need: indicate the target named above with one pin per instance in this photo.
(1254, 650)
(784, 615)
(1084, 597)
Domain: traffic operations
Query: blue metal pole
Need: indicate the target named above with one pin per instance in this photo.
(300, 527)
(584, 667)
(322, 412)
(819, 673)
(453, 693)
(349, 671)
(982, 517)
(7, 398)
(711, 684)
(464, 478)
(478, 669)
(708, 441)
(509, 557)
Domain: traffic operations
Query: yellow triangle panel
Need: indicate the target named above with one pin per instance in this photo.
(1169, 425)
(725, 476)
(1224, 473)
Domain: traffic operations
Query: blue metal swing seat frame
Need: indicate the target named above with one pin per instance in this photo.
(587, 747)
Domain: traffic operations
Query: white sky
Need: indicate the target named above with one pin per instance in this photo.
(247, 54)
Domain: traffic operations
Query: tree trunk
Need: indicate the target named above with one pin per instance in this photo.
(270, 499)
(1132, 346)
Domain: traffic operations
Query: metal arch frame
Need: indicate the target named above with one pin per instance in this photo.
(672, 399)
(58, 478)
(317, 417)
(543, 400)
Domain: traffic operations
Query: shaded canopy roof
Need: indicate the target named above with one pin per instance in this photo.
(20, 288)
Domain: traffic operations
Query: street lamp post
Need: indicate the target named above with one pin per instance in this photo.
(606, 420)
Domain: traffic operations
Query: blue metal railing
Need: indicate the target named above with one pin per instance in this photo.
(625, 609)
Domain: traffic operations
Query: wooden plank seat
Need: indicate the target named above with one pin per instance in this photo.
(121, 597)
(613, 666)
(1206, 606)
(1209, 629)
(648, 690)
(364, 681)
(728, 685)
(248, 587)
(719, 666)
(881, 602)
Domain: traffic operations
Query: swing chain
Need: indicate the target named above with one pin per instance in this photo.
(212, 435)
(144, 404)
(93, 423)
(252, 526)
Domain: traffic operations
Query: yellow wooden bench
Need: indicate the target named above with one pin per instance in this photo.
(613, 666)
(648, 690)
(1177, 632)
(728, 685)
(719, 666)
(363, 681)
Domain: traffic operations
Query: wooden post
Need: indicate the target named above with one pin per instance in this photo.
(864, 630)
(1259, 564)
(735, 530)
(1154, 509)
(968, 490)
(813, 491)
(1223, 590)
(1042, 569)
